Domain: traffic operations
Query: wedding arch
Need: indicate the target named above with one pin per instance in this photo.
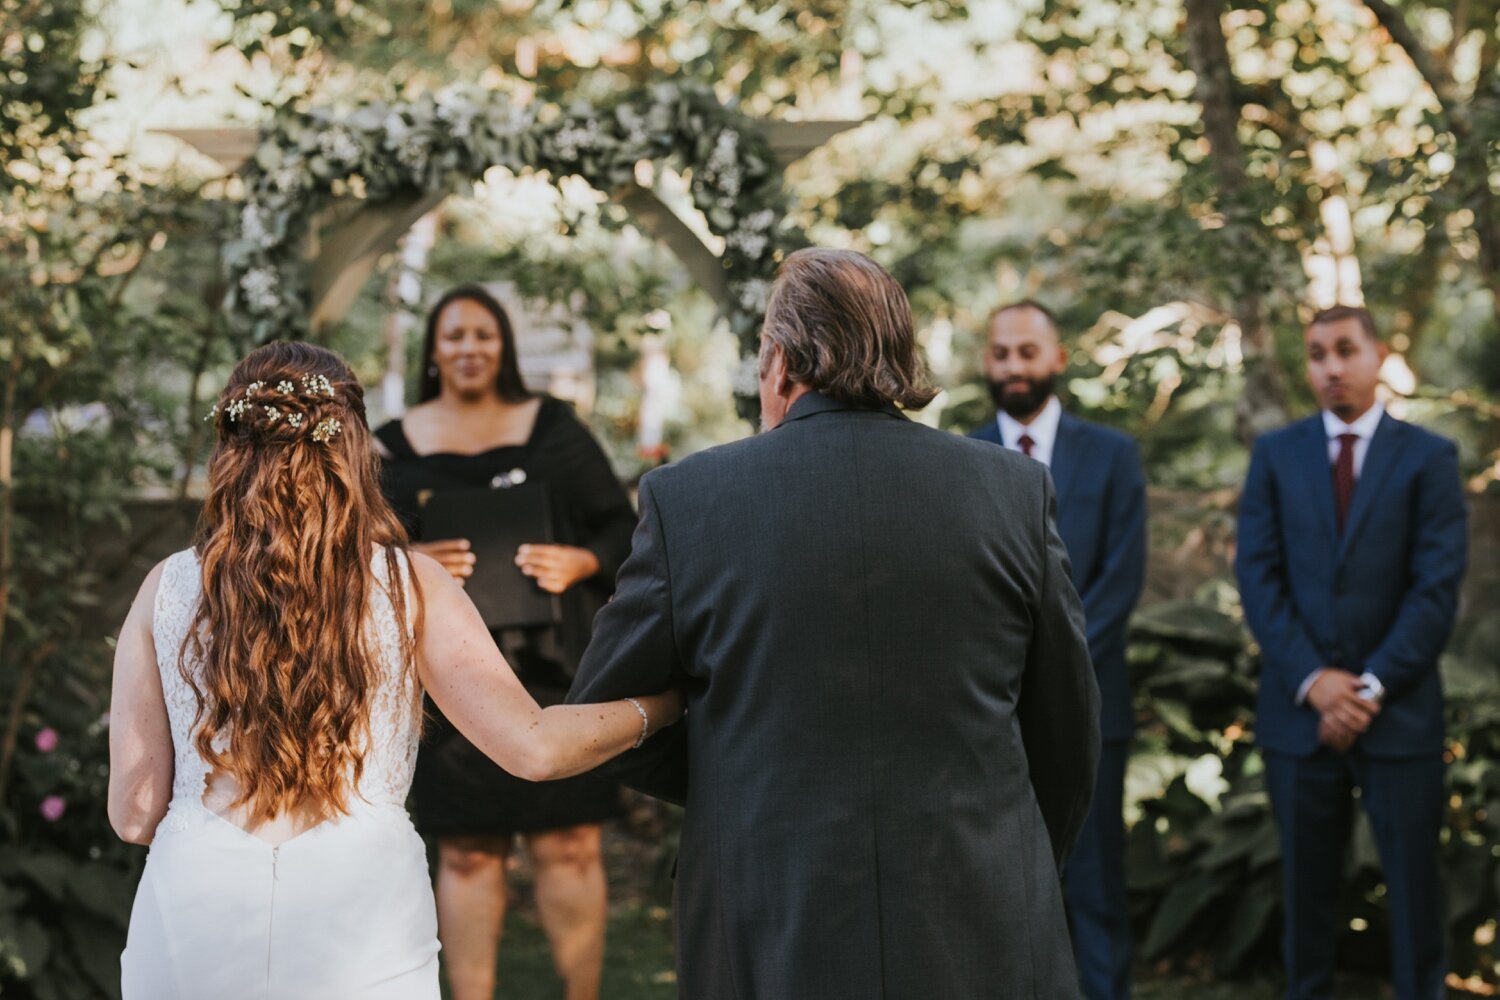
(327, 192)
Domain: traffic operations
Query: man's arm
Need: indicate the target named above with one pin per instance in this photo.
(1058, 708)
(1439, 556)
(1285, 646)
(1109, 598)
(634, 651)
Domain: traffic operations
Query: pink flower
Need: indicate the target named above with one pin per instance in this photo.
(53, 807)
(46, 740)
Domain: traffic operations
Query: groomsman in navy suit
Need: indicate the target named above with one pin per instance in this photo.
(1352, 545)
(1101, 516)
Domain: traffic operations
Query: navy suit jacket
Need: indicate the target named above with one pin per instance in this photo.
(1381, 597)
(1101, 516)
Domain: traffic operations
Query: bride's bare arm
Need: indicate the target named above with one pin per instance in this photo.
(140, 736)
(476, 689)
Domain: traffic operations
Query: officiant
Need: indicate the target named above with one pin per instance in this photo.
(475, 434)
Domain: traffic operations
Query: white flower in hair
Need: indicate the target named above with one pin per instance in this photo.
(295, 419)
(273, 414)
(317, 384)
(285, 388)
(237, 409)
(326, 430)
(254, 387)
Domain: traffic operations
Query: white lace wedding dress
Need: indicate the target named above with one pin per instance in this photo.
(343, 911)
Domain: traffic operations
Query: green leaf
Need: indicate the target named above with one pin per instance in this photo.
(1179, 718)
(1189, 621)
(1179, 910)
(48, 872)
(1239, 840)
(1253, 911)
(96, 946)
(104, 891)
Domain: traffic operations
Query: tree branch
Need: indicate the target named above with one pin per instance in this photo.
(1394, 23)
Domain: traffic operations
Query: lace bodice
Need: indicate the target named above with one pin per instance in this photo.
(395, 716)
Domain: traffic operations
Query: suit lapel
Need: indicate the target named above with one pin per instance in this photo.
(1315, 457)
(1380, 459)
(1068, 454)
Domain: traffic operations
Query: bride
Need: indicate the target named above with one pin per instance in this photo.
(266, 710)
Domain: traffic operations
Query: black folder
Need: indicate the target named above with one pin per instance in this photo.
(497, 522)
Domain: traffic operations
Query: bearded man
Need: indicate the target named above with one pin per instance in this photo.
(1101, 516)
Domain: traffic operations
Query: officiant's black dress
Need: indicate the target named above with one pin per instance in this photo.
(457, 790)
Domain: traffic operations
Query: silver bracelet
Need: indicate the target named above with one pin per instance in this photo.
(645, 724)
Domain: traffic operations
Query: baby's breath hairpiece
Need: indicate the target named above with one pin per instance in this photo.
(326, 430)
(323, 431)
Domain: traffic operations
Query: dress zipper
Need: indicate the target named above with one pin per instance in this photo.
(271, 915)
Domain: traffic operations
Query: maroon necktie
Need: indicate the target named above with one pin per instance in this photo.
(1343, 477)
(1026, 444)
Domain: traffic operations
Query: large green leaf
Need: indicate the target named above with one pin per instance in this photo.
(104, 891)
(48, 871)
(1189, 621)
(1252, 913)
(1179, 910)
(96, 946)
(1236, 841)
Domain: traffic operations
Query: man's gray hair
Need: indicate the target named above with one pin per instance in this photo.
(844, 326)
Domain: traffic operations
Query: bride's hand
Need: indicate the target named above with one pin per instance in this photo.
(662, 709)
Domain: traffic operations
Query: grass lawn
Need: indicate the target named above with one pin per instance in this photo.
(638, 960)
(638, 965)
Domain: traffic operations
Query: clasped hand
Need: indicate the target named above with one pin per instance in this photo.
(1343, 714)
(554, 567)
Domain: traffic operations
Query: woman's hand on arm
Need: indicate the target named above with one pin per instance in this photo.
(140, 735)
(477, 691)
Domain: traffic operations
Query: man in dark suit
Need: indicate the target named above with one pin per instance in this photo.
(1101, 505)
(891, 733)
(1352, 546)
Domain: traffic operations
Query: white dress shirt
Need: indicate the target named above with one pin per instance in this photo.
(1363, 428)
(1042, 429)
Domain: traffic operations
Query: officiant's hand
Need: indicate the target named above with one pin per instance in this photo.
(556, 567)
(454, 555)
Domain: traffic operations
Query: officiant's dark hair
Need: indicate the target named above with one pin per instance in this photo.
(844, 326)
(508, 383)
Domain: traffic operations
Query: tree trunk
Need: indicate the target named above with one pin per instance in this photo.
(1262, 406)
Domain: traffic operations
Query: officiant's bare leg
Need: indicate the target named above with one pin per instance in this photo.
(471, 911)
(572, 901)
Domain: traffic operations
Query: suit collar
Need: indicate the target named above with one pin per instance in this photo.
(1385, 450)
(1042, 430)
(812, 403)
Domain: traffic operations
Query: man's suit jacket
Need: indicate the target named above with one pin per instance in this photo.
(1381, 597)
(1101, 516)
(891, 732)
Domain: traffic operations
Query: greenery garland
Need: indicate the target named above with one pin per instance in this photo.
(445, 141)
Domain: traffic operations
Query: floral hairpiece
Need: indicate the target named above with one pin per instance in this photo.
(316, 385)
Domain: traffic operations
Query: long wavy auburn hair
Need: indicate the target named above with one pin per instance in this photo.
(290, 529)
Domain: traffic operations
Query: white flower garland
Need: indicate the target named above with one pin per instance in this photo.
(447, 140)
